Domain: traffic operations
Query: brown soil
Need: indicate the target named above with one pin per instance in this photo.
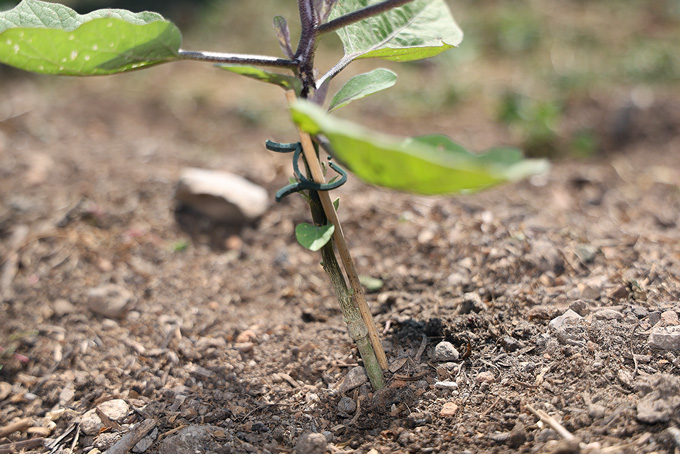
(238, 331)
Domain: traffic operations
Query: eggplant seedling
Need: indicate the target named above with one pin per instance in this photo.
(50, 38)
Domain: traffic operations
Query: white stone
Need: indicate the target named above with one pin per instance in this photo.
(115, 410)
(570, 317)
(221, 196)
(109, 300)
(665, 337)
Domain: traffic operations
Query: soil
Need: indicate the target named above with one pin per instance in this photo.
(232, 341)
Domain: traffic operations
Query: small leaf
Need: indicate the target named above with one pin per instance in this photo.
(283, 34)
(425, 165)
(50, 38)
(363, 85)
(314, 237)
(417, 30)
(282, 80)
(336, 203)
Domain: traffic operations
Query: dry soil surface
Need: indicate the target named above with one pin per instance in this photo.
(229, 340)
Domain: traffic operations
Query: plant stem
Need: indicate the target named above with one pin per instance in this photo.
(340, 242)
(240, 59)
(360, 14)
(304, 55)
(351, 314)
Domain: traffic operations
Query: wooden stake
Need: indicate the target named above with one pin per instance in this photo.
(339, 240)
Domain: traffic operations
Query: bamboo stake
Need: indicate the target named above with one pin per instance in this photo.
(340, 242)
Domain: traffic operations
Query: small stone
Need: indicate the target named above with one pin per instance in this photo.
(109, 300)
(448, 409)
(246, 336)
(115, 410)
(105, 440)
(446, 384)
(347, 405)
(354, 378)
(221, 196)
(596, 411)
(607, 314)
(568, 318)
(62, 307)
(669, 318)
(665, 338)
(485, 377)
(445, 351)
(311, 443)
(472, 302)
(510, 344)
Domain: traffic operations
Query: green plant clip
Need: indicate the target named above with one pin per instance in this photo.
(303, 182)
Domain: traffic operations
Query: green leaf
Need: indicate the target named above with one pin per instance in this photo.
(363, 85)
(282, 80)
(314, 237)
(425, 165)
(50, 38)
(417, 30)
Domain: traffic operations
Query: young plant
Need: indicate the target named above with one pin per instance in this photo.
(50, 38)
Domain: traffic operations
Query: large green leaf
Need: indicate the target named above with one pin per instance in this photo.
(50, 38)
(363, 85)
(425, 165)
(282, 80)
(417, 30)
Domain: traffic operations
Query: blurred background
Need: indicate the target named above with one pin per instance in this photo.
(568, 78)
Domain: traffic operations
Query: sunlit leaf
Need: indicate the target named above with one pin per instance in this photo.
(50, 38)
(282, 80)
(363, 85)
(314, 237)
(419, 29)
(426, 165)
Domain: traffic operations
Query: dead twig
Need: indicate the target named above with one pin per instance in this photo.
(21, 446)
(130, 439)
(18, 426)
(552, 422)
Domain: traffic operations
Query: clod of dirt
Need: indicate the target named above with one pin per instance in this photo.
(661, 400)
(311, 443)
(197, 438)
(221, 196)
(109, 300)
(444, 352)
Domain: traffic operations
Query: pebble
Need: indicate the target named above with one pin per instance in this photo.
(221, 196)
(445, 351)
(568, 318)
(109, 300)
(311, 443)
(448, 409)
(347, 405)
(607, 314)
(596, 411)
(485, 377)
(115, 410)
(145, 443)
(446, 384)
(62, 307)
(665, 338)
(669, 318)
(354, 378)
(472, 302)
(246, 336)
